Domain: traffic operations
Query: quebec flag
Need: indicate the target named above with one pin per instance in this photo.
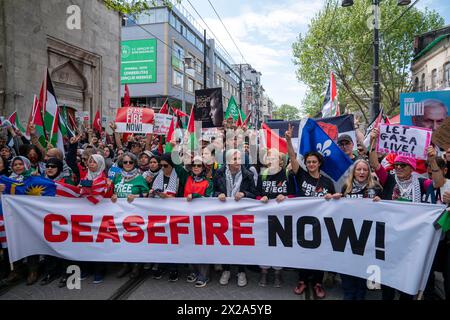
(311, 137)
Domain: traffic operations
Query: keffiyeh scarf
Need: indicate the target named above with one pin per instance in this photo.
(408, 189)
(172, 187)
(233, 186)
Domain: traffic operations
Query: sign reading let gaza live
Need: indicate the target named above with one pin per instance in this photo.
(138, 61)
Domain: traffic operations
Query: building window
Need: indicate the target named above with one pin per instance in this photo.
(447, 74)
(416, 84)
(177, 78)
(179, 51)
(198, 86)
(422, 82)
(434, 79)
(190, 85)
(199, 66)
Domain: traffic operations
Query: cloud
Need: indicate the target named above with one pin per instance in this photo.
(264, 32)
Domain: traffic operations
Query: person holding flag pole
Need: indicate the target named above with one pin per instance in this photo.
(310, 183)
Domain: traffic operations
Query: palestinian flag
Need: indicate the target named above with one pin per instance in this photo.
(38, 119)
(14, 119)
(444, 221)
(51, 113)
(330, 107)
(65, 125)
(191, 139)
(169, 137)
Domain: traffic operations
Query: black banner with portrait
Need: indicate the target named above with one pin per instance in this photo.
(209, 107)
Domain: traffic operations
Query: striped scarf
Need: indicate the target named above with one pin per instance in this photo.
(172, 187)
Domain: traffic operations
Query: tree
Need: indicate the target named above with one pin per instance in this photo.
(286, 112)
(340, 39)
(135, 6)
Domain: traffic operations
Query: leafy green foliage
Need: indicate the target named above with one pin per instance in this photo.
(286, 112)
(135, 6)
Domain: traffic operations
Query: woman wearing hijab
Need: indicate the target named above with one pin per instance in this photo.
(167, 185)
(34, 154)
(360, 184)
(21, 169)
(129, 184)
(94, 187)
(53, 266)
(154, 169)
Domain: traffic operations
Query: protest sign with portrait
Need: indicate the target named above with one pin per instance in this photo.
(209, 107)
(424, 109)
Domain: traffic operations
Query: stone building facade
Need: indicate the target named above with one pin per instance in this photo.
(84, 62)
(431, 65)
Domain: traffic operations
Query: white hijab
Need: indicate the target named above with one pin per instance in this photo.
(101, 167)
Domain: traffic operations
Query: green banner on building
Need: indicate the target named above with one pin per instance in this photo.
(138, 63)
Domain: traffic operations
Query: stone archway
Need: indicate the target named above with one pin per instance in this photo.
(70, 85)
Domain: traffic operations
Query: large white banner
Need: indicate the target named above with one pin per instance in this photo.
(390, 242)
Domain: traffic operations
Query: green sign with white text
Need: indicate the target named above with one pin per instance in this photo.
(138, 63)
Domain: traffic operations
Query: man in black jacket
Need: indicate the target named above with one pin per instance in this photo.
(234, 181)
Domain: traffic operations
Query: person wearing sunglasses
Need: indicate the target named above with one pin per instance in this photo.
(309, 183)
(196, 185)
(55, 267)
(129, 184)
(404, 185)
(166, 185)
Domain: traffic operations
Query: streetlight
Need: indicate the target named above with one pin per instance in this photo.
(186, 62)
(375, 108)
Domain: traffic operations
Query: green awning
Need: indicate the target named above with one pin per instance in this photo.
(431, 46)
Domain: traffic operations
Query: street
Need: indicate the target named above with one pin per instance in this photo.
(151, 289)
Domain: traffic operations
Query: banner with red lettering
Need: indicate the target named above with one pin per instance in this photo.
(372, 240)
(135, 120)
